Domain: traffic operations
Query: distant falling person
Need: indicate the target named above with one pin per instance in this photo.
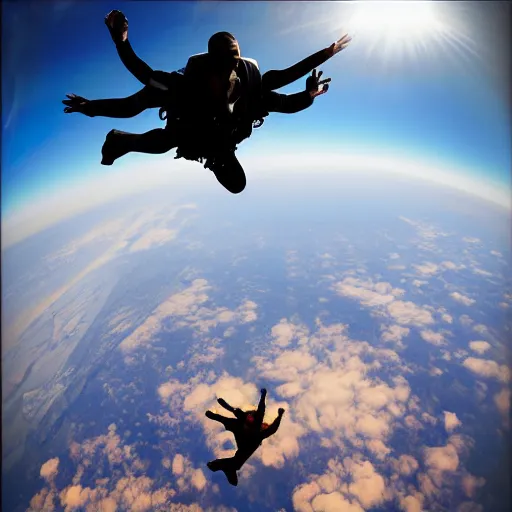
(249, 431)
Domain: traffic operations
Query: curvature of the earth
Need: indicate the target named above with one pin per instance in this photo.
(375, 311)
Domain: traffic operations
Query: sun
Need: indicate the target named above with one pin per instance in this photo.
(406, 28)
(396, 20)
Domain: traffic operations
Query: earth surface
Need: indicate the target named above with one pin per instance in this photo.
(375, 310)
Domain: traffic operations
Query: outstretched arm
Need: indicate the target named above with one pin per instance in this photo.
(260, 413)
(116, 107)
(292, 103)
(117, 24)
(272, 429)
(277, 78)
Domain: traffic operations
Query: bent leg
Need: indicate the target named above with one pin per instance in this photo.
(228, 466)
(229, 423)
(154, 142)
(229, 173)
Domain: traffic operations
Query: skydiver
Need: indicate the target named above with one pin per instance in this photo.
(249, 431)
(241, 96)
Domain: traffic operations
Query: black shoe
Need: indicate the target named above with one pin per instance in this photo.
(232, 477)
(212, 466)
(112, 148)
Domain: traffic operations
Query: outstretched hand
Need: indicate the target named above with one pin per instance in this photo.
(315, 86)
(117, 24)
(77, 104)
(338, 45)
(280, 411)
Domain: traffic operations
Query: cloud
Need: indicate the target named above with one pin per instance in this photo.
(49, 469)
(434, 338)
(427, 268)
(366, 292)
(126, 486)
(462, 298)
(480, 347)
(188, 477)
(382, 295)
(447, 318)
(451, 422)
(408, 313)
(502, 401)
(439, 461)
(394, 334)
(466, 320)
(406, 465)
(284, 332)
(328, 492)
(187, 309)
(153, 238)
(487, 368)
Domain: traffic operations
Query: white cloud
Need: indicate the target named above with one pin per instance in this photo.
(366, 292)
(394, 334)
(284, 332)
(441, 459)
(502, 401)
(408, 313)
(427, 268)
(462, 298)
(487, 368)
(466, 320)
(480, 347)
(434, 338)
(153, 238)
(188, 309)
(447, 318)
(49, 469)
(451, 422)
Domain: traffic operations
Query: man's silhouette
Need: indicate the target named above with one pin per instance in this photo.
(249, 431)
(218, 98)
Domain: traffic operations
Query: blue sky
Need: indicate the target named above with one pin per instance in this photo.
(438, 102)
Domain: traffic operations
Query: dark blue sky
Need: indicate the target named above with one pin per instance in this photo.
(426, 96)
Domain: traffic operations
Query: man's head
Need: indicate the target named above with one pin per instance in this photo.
(224, 50)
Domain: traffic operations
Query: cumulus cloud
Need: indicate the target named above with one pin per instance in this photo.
(284, 332)
(451, 422)
(366, 292)
(384, 297)
(394, 334)
(427, 268)
(502, 401)
(49, 469)
(462, 298)
(480, 347)
(366, 488)
(434, 338)
(126, 487)
(187, 309)
(188, 477)
(408, 313)
(487, 368)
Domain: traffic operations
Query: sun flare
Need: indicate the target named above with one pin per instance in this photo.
(406, 28)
